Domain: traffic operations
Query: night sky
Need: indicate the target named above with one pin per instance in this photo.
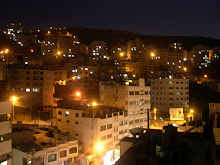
(155, 17)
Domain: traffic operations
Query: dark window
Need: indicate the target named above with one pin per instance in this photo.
(59, 112)
(109, 126)
(63, 153)
(77, 114)
(73, 150)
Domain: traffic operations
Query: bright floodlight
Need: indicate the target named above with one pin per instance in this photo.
(78, 94)
(152, 54)
(94, 104)
(99, 147)
(14, 98)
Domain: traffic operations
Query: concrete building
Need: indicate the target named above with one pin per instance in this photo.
(136, 50)
(98, 50)
(54, 149)
(66, 43)
(2, 70)
(96, 127)
(5, 130)
(49, 47)
(171, 58)
(133, 98)
(13, 29)
(201, 54)
(33, 86)
(118, 52)
(169, 93)
(85, 72)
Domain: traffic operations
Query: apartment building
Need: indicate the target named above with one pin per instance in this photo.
(5, 130)
(87, 72)
(133, 98)
(33, 86)
(118, 52)
(172, 58)
(66, 43)
(98, 50)
(49, 46)
(13, 29)
(95, 127)
(169, 93)
(136, 50)
(44, 149)
(202, 56)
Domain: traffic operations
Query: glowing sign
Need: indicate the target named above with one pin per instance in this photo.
(176, 113)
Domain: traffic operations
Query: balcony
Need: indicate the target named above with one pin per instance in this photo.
(5, 127)
(6, 147)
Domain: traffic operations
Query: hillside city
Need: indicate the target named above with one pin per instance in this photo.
(76, 96)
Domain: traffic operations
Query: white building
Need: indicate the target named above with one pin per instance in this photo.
(135, 99)
(103, 130)
(169, 93)
(57, 150)
(5, 130)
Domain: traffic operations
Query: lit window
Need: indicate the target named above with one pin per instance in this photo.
(67, 112)
(52, 157)
(27, 90)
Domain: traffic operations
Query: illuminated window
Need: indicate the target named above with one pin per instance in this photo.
(27, 90)
(52, 157)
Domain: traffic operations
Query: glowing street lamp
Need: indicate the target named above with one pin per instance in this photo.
(99, 147)
(73, 78)
(6, 50)
(59, 53)
(185, 69)
(121, 54)
(94, 104)
(206, 76)
(78, 94)
(152, 54)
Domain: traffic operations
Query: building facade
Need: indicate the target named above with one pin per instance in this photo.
(169, 93)
(5, 130)
(34, 86)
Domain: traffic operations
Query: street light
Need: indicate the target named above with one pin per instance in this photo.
(59, 53)
(206, 76)
(78, 94)
(13, 99)
(99, 147)
(152, 54)
(121, 54)
(185, 69)
(94, 104)
(6, 50)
